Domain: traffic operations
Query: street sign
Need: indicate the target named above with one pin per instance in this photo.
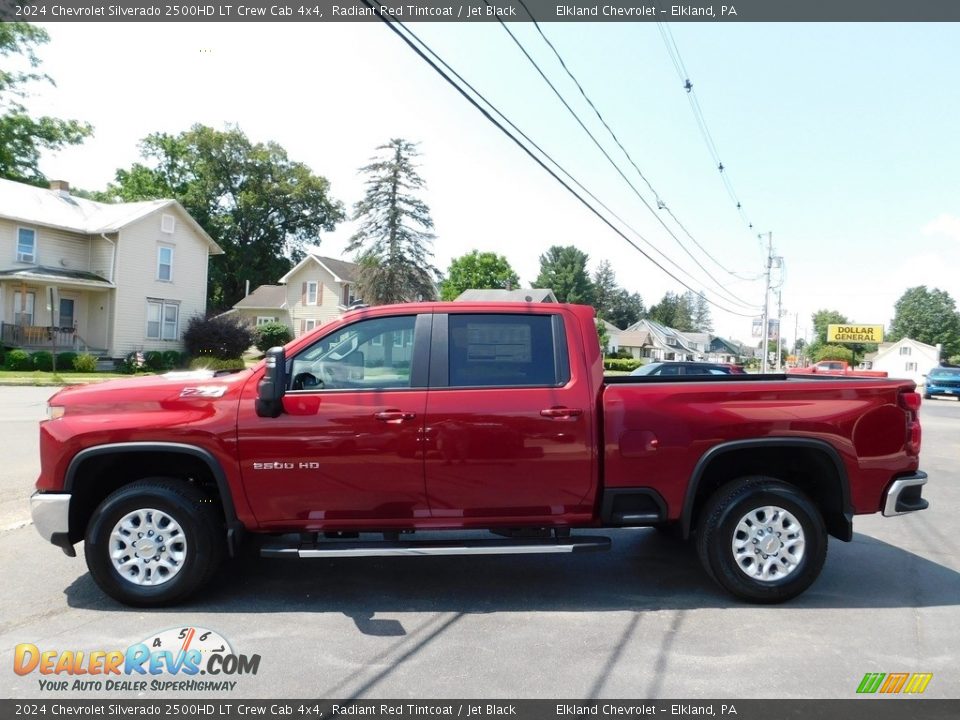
(854, 333)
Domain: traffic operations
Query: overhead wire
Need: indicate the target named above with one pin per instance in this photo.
(661, 205)
(394, 24)
(677, 60)
(602, 149)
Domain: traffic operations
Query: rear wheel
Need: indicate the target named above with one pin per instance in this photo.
(154, 542)
(762, 539)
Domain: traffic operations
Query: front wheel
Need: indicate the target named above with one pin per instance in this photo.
(154, 542)
(762, 540)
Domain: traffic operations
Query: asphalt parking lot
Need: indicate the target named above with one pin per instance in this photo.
(642, 621)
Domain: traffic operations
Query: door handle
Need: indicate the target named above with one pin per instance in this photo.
(394, 417)
(562, 413)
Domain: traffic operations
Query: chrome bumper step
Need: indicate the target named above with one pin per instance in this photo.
(428, 548)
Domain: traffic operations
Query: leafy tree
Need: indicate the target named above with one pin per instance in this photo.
(823, 318)
(612, 302)
(564, 270)
(604, 336)
(834, 352)
(395, 235)
(478, 270)
(256, 203)
(700, 311)
(673, 311)
(929, 316)
(22, 137)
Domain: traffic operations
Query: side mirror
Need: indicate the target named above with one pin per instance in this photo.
(272, 385)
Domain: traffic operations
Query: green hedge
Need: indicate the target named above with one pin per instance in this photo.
(42, 360)
(622, 364)
(65, 361)
(271, 335)
(212, 363)
(18, 360)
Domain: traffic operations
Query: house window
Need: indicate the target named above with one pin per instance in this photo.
(911, 366)
(377, 341)
(23, 315)
(26, 245)
(904, 350)
(310, 325)
(312, 292)
(261, 320)
(168, 224)
(163, 320)
(165, 263)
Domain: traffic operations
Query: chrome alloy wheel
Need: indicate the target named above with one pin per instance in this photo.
(147, 547)
(768, 543)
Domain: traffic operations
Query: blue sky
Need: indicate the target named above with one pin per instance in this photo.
(840, 138)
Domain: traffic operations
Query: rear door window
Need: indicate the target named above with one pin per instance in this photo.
(507, 351)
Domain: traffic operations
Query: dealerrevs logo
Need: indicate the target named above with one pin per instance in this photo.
(171, 660)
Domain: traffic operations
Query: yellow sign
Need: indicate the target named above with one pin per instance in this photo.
(855, 333)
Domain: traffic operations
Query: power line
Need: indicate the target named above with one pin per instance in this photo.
(616, 167)
(385, 16)
(660, 203)
(677, 59)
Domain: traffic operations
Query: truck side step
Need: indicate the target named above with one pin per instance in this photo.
(428, 548)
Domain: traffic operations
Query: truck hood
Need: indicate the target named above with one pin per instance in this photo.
(192, 388)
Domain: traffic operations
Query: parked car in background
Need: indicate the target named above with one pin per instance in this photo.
(836, 367)
(688, 368)
(942, 381)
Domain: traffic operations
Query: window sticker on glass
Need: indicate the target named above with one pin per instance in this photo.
(495, 342)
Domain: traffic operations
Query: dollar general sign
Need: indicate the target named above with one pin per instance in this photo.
(855, 333)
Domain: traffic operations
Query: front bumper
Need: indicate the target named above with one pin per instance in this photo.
(904, 495)
(51, 517)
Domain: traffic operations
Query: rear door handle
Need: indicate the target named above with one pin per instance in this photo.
(394, 417)
(562, 413)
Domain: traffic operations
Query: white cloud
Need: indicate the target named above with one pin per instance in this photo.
(945, 224)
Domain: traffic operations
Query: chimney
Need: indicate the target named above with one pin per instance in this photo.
(61, 186)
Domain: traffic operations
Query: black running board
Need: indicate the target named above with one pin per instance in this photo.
(424, 549)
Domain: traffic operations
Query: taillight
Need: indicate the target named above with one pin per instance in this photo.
(910, 401)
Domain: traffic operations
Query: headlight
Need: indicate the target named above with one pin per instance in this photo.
(55, 411)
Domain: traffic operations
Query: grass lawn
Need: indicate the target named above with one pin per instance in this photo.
(38, 377)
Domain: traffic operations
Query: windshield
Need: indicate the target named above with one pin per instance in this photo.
(945, 373)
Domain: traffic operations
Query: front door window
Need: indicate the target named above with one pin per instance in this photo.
(66, 313)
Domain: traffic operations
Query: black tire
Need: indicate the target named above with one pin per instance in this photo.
(197, 514)
(927, 396)
(717, 528)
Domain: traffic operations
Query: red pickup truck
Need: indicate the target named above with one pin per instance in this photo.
(466, 416)
(835, 367)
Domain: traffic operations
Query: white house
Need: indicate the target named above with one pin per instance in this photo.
(106, 278)
(906, 358)
(317, 290)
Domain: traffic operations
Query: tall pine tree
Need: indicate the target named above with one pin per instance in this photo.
(393, 243)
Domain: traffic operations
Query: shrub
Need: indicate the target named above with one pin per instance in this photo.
(42, 360)
(84, 363)
(271, 334)
(153, 359)
(65, 361)
(224, 337)
(622, 364)
(132, 363)
(18, 360)
(212, 363)
(172, 359)
(834, 352)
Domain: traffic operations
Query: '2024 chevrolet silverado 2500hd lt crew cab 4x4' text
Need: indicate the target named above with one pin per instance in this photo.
(467, 416)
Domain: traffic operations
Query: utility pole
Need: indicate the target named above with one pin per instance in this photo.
(764, 348)
(779, 329)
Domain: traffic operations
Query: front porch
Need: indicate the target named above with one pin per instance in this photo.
(56, 310)
(40, 337)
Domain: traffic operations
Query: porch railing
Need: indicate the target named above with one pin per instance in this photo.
(40, 336)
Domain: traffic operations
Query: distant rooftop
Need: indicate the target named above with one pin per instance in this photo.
(531, 295)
